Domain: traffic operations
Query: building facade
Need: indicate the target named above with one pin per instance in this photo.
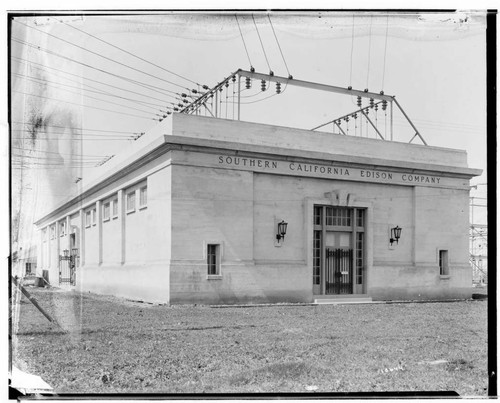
(193, 217)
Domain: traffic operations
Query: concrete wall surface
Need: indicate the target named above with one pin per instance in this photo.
(307, 140)
(147, 282)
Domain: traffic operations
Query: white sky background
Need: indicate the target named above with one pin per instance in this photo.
(435, 64)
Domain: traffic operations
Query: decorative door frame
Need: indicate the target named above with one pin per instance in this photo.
(339, 198)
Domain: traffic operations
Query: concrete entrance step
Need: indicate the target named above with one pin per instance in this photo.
(343, 301)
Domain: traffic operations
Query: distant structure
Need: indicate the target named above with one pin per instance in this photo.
(213, 210)
(478, 240)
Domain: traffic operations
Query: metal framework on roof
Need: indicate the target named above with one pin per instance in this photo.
(210, 101)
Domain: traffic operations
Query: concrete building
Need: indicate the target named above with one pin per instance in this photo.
(194, 217)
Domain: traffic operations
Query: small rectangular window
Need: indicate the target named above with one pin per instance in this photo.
(115, 208)
(131, 202)
(143, 197)
(105, 211)
(88, 218)
(94, 216)
(213, 259)
(443, 263)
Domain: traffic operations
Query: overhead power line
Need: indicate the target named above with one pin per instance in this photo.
(97, 135)
(44, 68)
(369, 51)
(58, 86)
(385, 49)
(279, 47)
(129, 80)
(79, 104)
(92, 88)
(77, 128)
(102, 56)
(262, 45)
(129, 53)
(244, 44)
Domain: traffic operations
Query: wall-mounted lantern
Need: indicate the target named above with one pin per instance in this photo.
(282, 226)
(395, 234)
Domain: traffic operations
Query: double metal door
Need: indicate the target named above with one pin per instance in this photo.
(339, 276)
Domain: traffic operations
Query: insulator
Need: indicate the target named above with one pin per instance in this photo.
(278, 88)
(371, 102)
(346, 118)
(263, 85)
(186, 101)
(183, 95)
(376, 107)
(169, 113)
(367, 111)
(359, 101)
(220, 89)
(366, 89)
(205, 87)
(355, 116)
(384, 105)
(248, 82)
(211, 95)
(164, 116)
(349, 88)
(290, 77)
(271, 73)
(252, 69)
(227, 84)
(194, 91)
(176, 109)
(233, 79)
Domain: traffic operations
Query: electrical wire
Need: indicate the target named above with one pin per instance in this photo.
(97, 135)
(385, 49)
(369, 51)
(261, 44)
(352, 49)
(87, 96)
(77, 128)
(130, 80)
(44, 68)
(243, 39)
(79, 104)
(279, 47)
(129, 53)
(93, 89)
(102, 56)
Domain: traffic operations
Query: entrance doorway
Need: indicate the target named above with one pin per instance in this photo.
(338, 250)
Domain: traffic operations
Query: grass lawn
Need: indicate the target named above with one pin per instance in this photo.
(113, 345)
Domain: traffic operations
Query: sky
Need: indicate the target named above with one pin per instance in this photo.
(64, 82)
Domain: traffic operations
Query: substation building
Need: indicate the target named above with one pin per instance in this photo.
(220, 211)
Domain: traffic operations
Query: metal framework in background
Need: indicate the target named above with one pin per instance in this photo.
(478, 237)
(216, 102)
